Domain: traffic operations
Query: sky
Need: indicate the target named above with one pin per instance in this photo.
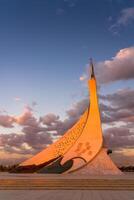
(45, 47)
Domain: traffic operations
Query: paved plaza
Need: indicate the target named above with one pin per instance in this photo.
(65, 187)
(66, 195)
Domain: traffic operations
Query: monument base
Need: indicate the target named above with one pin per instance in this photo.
(100, 165)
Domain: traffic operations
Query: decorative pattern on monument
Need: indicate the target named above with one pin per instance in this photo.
(68, 139)
(83, 148)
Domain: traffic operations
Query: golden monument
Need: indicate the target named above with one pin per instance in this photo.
(80, 150)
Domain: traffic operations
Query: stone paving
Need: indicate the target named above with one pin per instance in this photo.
(66, 195)
(98, 188)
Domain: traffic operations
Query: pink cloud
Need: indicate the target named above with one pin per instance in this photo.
(120, 67)
(7, 121)
(126, 17)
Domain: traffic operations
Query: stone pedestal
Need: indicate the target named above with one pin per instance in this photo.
(100, 165)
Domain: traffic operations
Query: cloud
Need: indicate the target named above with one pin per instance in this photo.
(30, 142)
(37, 138)
(120, 67)
(118, 99)
(53, 123)
(78, 109)
(126, 17)
(11, 160)
(33, 137)
(7, 121)
(123, 157)
(120, 137)
(121, 107)
(49, 119)
(26, 118)
(73, 115)
(83, 77)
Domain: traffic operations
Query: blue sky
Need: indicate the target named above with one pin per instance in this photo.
(45, 47)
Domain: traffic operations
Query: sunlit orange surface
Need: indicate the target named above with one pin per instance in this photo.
(61, 146)
(81, 143)
(90, 141)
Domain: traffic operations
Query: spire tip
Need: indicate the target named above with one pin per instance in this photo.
(92, 68)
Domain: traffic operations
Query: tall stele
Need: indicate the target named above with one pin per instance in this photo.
(80, 150)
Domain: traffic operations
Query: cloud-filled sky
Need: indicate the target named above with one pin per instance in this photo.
(45, 48)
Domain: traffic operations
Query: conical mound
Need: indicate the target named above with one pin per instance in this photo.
(100, 165)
